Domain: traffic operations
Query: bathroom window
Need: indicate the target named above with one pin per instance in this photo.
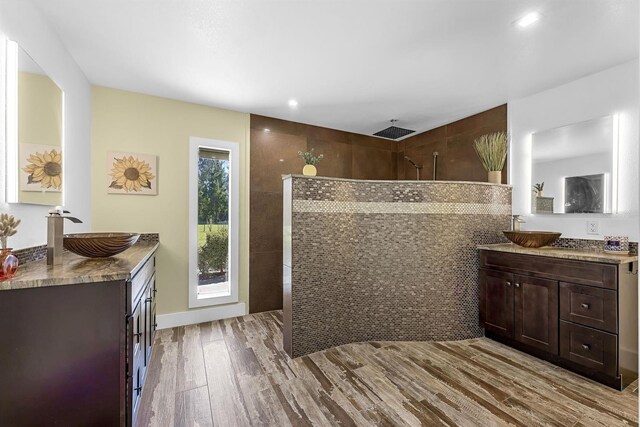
(213, 212)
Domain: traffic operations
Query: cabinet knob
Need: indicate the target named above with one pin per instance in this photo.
(517, 285)
(585, 305)
(508, 283)
(586, 346)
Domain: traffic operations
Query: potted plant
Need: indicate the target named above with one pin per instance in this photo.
(310, 162)
(8, 261)
(538, 188)
(492, 151)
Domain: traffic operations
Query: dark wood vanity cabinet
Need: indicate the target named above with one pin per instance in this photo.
(141, 327)
(520, 307)
(536, 312)
(76, 354)
(566, 311)
(496, 302)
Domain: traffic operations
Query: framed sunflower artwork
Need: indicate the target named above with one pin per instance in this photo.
(130, 173)
(40, 168)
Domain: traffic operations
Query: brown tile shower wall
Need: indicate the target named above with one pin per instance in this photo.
(457, 159)
(347, 155)
(275, 153)
(371, 260)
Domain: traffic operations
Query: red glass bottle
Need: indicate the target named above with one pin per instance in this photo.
(8, 264)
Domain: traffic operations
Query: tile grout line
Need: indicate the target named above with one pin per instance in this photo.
(235, 377)
(206, 376)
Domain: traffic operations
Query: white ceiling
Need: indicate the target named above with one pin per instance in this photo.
(27, 64)
(352, 65)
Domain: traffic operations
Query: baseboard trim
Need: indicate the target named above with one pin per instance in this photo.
(192, 317)
(629, 359)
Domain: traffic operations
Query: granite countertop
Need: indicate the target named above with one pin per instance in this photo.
(76, 269)
(577, 254)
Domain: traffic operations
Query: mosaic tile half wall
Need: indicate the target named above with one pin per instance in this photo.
(384, 260)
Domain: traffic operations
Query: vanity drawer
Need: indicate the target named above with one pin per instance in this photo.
(589, 306)
(141, 278)
(583, 272)
(589, 347)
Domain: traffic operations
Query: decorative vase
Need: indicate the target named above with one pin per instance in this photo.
(495, 177)
(309, 170)
(8, 264)
(540, 193)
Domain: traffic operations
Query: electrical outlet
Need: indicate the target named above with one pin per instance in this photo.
(593, 227)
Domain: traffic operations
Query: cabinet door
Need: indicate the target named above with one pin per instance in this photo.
(148, 325)
(536, 312)
(145, 333)
(496, 302)
(137, 320)
(154, 323)
(137, 361)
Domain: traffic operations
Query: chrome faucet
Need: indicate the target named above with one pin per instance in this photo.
(55, 232)
(515, 222)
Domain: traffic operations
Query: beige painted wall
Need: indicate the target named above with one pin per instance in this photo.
(132, 122)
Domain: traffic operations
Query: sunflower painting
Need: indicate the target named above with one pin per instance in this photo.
(130, 173)
(41, 168)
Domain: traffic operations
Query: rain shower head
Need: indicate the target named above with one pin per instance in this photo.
(394, 132)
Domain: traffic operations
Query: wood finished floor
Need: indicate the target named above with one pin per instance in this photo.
(234, 372)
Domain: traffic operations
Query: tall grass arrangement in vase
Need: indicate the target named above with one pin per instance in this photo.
(8, 225)
(492, 151)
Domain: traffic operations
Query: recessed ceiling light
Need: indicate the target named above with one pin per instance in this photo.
(293, 103)
(528, 19)
(267, 130)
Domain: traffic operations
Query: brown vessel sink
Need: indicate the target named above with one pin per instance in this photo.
(532, 239)
(99, 245)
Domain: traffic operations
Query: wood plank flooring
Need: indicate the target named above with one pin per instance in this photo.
(234, 372)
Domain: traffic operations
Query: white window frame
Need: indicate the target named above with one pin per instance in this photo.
(233, 148)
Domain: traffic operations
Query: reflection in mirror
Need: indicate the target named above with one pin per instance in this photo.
(34, 132)
(574, 168)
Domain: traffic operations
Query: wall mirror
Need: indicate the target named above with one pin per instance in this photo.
(574, 168)
(34, 114)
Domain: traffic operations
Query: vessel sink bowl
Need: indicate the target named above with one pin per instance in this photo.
(532, 239)
(99, 245)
